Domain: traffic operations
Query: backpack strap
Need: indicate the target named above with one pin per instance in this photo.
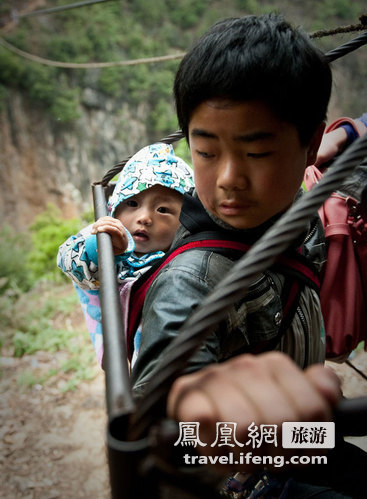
(291, 264)
(357, 125)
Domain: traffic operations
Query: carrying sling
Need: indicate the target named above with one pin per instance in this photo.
(292, 264)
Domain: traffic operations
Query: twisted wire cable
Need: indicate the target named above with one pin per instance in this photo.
(233, 286)
(347, 47)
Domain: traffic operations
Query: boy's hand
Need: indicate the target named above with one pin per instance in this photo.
(264, 389)
(116, 230)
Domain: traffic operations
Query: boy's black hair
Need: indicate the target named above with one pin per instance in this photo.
(262, 58)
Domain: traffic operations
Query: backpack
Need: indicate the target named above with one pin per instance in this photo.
(344, 276)
(292, 263)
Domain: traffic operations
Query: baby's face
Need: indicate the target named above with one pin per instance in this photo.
(248, 164)
(152, 218)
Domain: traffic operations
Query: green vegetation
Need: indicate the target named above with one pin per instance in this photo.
(182, 150)
(48, 231)
(12, 250)
(31, 326)
(36, 301)
(125, 30)
(115, 31)
(26, 258)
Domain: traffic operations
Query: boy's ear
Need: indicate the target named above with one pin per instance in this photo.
(315, 144)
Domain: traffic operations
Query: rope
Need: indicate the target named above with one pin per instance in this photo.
(333, 54)
(147, 60)
(215, 306)
(86, 65)
(342, 29)
(51, 10)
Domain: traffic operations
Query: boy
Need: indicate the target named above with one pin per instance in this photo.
(144, 210)
(251, 136)
(251, 98)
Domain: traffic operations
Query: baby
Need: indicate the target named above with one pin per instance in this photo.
(144, 216)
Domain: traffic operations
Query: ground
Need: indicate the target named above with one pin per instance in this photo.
(52, 444)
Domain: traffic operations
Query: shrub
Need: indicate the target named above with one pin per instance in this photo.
(182, 150)
(48, 232)
(13, 270)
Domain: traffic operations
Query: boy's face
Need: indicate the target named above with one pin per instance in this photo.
(248, 164)
(152, 218)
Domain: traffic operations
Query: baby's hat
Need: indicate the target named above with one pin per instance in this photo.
(155, 164)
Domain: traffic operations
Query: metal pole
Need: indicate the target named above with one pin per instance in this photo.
(118, 390)
(123, 456)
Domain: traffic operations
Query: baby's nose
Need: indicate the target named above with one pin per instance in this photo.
(145, 218)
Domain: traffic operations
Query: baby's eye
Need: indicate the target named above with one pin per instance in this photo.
(162, 209)
(131, 202)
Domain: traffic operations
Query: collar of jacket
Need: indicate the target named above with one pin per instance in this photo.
(195, 218)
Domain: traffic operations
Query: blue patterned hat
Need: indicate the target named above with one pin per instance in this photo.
(155, 164)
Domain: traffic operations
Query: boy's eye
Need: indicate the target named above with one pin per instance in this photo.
(204, 154)
(258, 154)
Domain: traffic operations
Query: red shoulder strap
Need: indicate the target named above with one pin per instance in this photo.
(295, 265)
(358, 126)
(138, 294)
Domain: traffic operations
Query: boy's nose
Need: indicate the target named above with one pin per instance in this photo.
(231, 175)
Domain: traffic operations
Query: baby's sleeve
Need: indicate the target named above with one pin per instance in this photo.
(77, 258)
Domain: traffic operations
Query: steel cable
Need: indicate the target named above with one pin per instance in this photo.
(347, 47)
(233, 286)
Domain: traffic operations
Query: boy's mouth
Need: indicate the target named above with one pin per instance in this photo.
(232, 207)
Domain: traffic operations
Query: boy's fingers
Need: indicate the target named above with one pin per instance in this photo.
(251, 390)
(309, 403)
(326, 382)
(268, 388)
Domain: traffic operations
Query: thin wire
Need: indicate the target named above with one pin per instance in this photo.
(87, 65)
(60, 8)
(147, 60)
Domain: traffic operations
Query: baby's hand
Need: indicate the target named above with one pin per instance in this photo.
(116, 230)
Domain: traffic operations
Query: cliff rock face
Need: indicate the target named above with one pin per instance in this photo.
(42, 162)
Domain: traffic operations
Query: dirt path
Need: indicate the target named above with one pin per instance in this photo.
(52, 444)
